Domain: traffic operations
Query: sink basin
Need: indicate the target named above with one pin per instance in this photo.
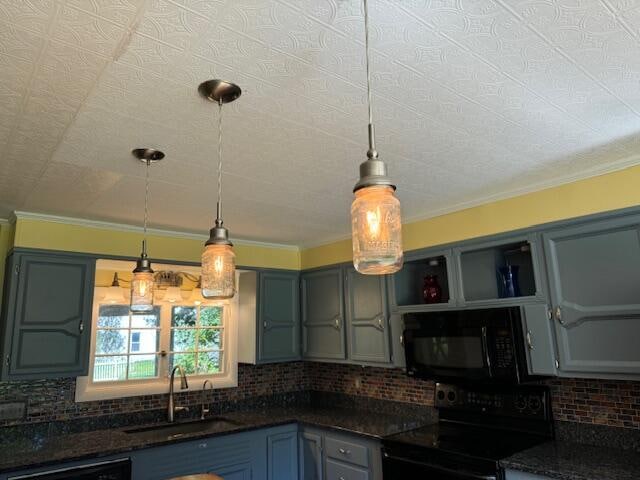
(175, 430)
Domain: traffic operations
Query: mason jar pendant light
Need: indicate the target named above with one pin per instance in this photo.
(142, 283)
(218, 259)
(376, 226)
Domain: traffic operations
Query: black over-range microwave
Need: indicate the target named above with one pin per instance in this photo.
(466, 345)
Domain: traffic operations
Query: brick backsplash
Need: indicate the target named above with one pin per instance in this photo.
(596, 402)
(52, 400)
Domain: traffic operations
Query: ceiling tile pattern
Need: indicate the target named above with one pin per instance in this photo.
(473, 100)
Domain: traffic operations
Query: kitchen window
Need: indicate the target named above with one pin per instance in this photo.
(133, 353)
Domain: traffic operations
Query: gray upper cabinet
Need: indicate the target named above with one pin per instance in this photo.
(323, 314)
(594, 275)
(278, 317)
(367, 318)
(47, 315)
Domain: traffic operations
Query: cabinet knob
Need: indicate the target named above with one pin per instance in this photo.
(559, 315)
(336, 322)
(344, 452)
(380, 320)
(81, 327)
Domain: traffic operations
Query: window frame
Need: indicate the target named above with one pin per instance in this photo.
(88, 390)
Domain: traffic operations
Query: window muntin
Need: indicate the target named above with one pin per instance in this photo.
(197, 338)
(117, 356)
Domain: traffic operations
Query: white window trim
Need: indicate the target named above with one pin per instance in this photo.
(87, 391)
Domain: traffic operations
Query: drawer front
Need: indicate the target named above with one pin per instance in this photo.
(341, 471)
(346, 451)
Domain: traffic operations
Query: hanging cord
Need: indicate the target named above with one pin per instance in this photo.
(372, 153)
(219, 205)
(146, 210)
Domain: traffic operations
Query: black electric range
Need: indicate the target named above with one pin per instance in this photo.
(478, 427)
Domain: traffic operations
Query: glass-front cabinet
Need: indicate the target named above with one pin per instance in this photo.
(506, 270)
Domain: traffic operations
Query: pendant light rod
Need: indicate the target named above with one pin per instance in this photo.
(372, 153)
(147, 156)
(219, 221)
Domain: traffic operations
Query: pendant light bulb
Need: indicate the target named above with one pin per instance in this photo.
(218, 278)
(143, 281)
(376, 225)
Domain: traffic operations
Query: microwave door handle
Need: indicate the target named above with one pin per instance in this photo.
(445, 470)
(485, 347)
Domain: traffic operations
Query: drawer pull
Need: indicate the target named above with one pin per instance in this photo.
(344, 452)
(341, 478)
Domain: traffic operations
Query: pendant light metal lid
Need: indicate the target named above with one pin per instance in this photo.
(373, 172)
(219, 235)
(219, 91)
(148, 155)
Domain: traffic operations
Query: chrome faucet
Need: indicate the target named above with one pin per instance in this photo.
(204, 410)
(172, 409)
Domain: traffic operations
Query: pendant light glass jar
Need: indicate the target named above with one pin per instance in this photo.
(142, 283)
(218, 258)
(376, 225)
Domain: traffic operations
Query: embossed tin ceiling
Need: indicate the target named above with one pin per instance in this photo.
(474, 100)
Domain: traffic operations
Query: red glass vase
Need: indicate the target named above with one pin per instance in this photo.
(432, 291)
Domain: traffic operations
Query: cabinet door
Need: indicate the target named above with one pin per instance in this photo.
(594, 273)
(49, 316)
(323, 314)
(367, 318)
(540, 342)
(278, 318)
(235, 472)
(282, 456)
(310, 456)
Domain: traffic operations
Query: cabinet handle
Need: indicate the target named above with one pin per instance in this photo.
(559, 315)
(344, 452)
(336, 322)
(402, 340)
(529, 342)
(380, 325)
(341, 478)
(81, 327)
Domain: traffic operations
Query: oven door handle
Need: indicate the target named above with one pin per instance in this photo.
(450, 471)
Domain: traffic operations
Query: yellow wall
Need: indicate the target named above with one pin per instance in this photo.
(6, 242)
(32, 233)
(597, 194)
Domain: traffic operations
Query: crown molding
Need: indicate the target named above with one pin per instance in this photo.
(622, 164)
(123, 227)
(5, 221)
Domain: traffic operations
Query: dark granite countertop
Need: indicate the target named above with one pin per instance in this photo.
(564, 460)
(37, 450)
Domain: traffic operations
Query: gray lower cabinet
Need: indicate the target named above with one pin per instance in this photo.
(267, 454)
(311, 467)
(278, 317)
(47, 315)
(323, 315)
(594, 274)
(338, 456)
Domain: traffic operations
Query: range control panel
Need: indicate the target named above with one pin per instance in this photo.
(523, 402)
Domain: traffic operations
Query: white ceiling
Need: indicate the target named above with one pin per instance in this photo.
(474, 100)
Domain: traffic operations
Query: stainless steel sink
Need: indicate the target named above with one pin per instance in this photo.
(175, 430)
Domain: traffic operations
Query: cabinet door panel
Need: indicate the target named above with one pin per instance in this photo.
(52, 316)
(282, 456)
(323, 314)
(367, 318)
(594, 272)
(279, 321)
(540, 342)
(310, 456)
